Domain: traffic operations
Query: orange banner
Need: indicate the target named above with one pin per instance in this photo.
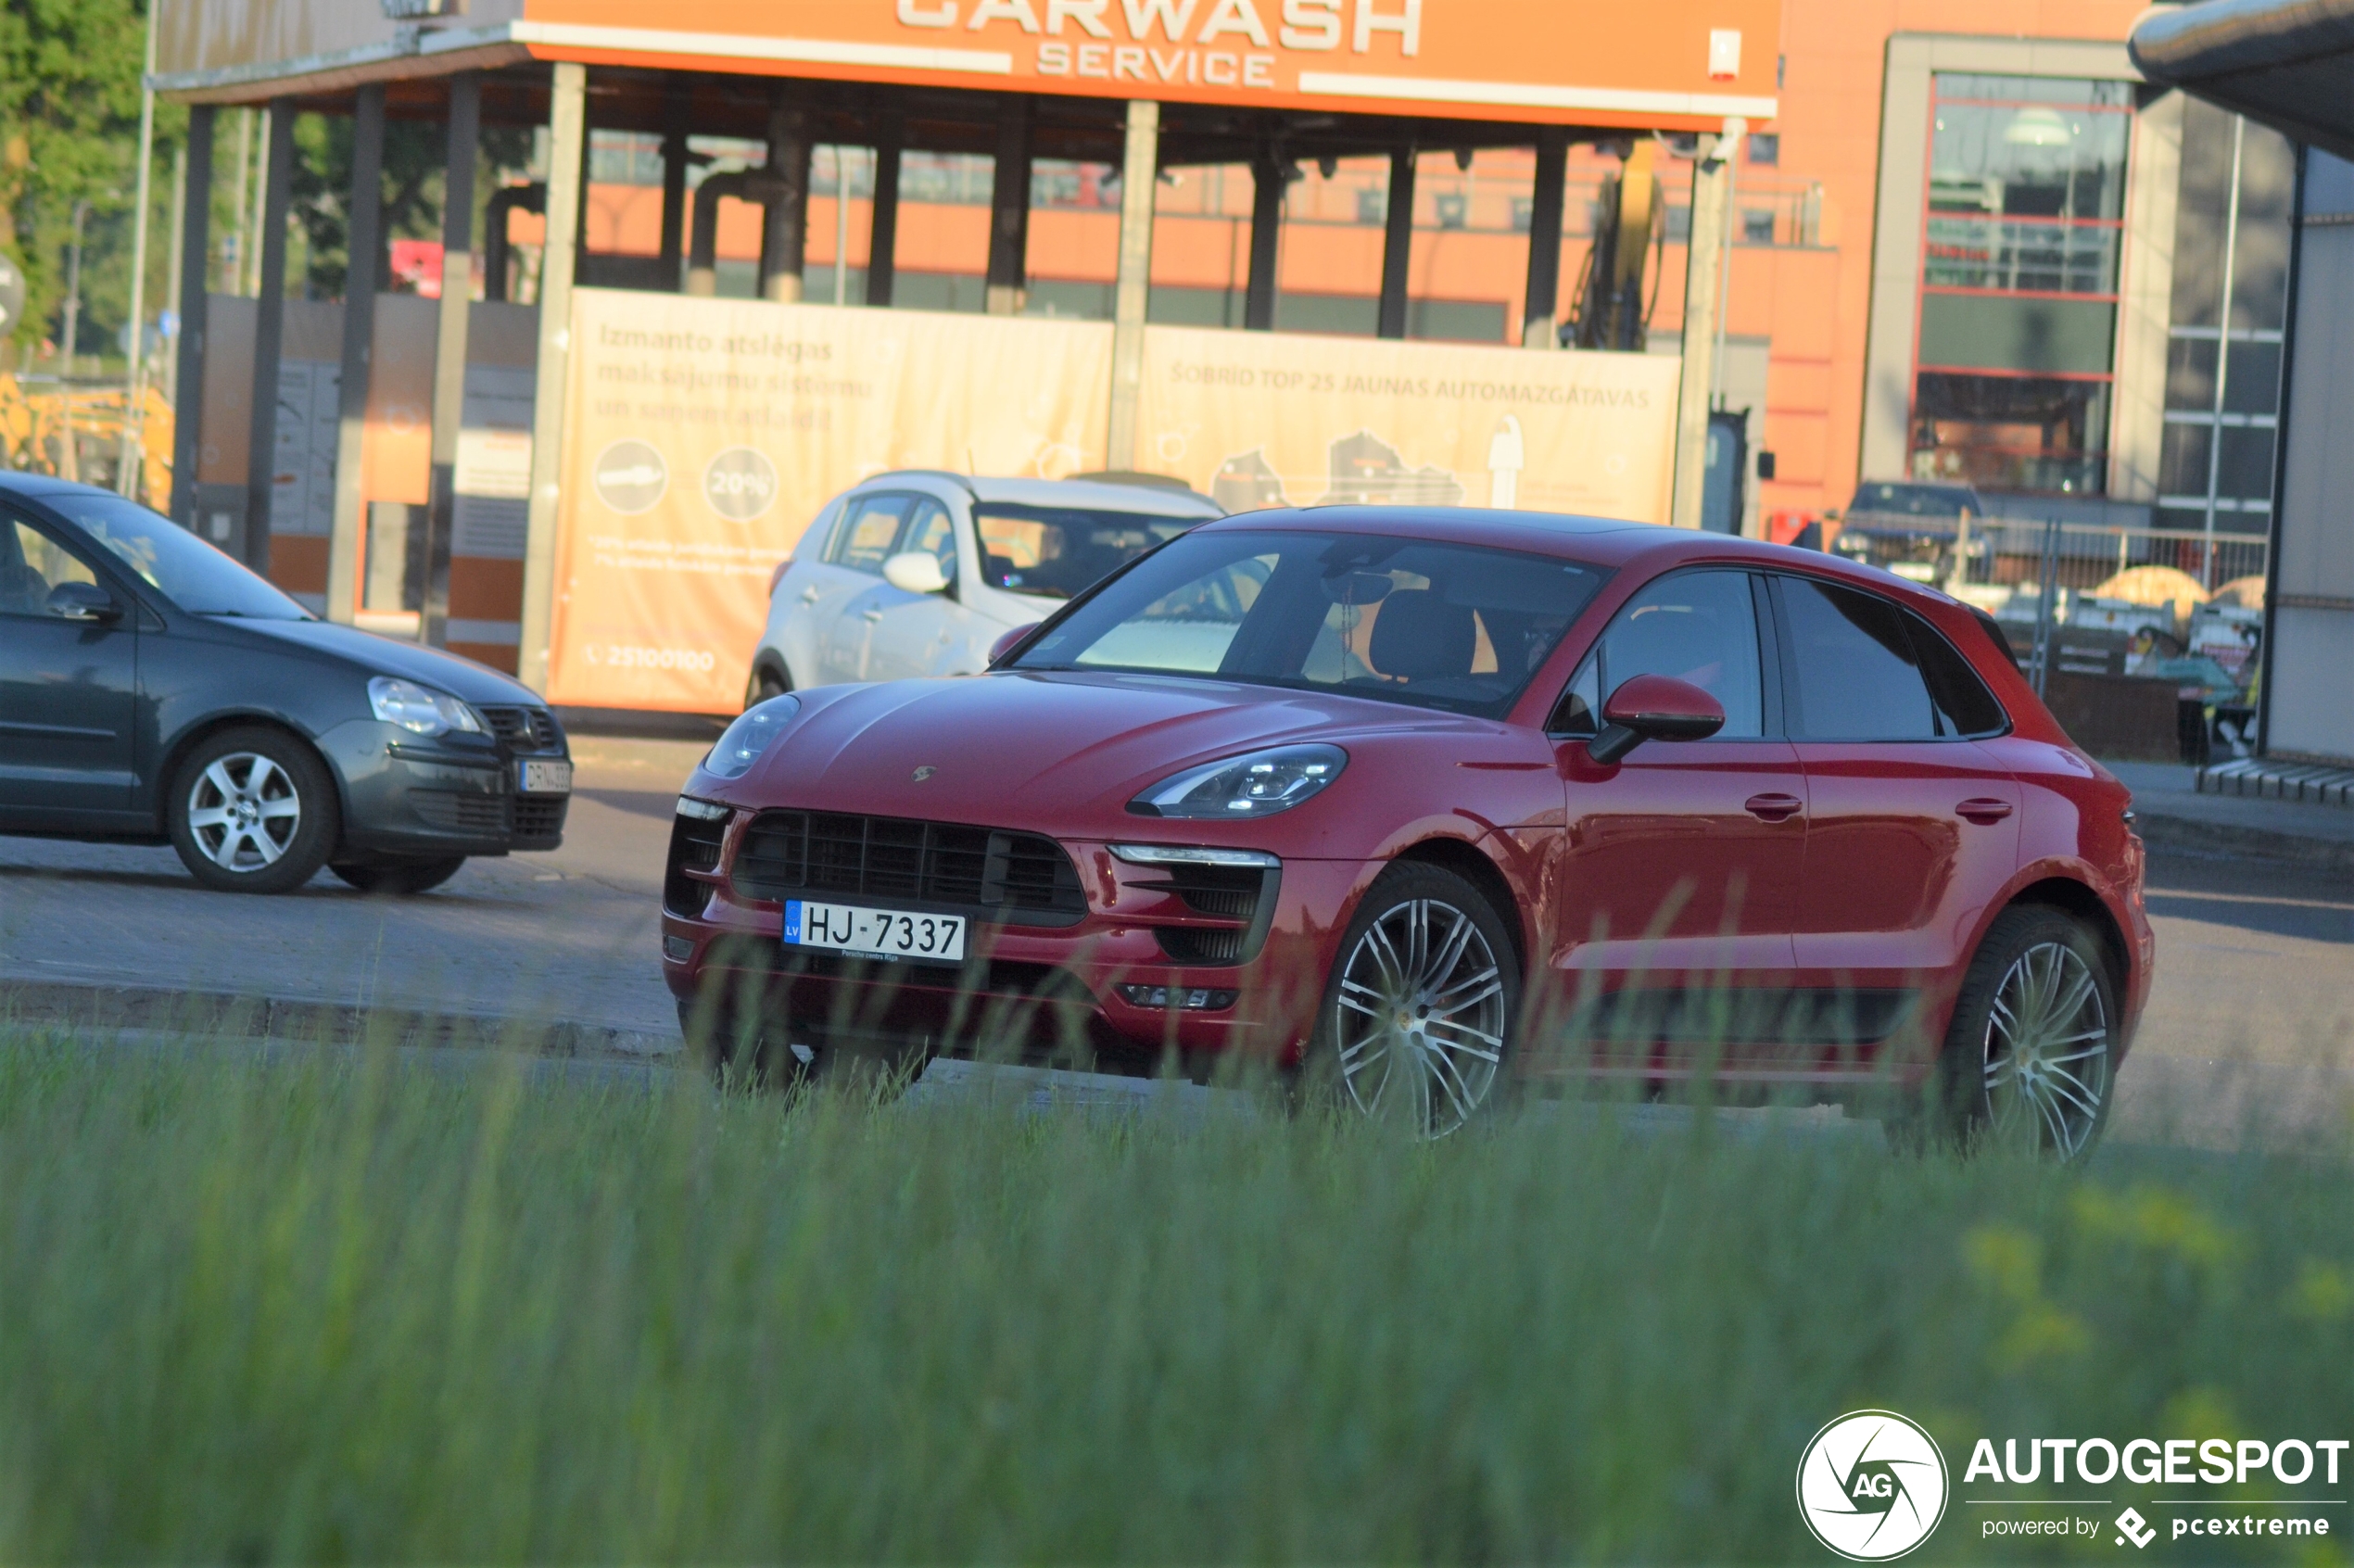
(1276, 419)
(701, 436)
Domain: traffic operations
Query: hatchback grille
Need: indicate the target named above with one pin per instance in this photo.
(1018, 877)
(454, 812)
(539, 817)
(524, 730)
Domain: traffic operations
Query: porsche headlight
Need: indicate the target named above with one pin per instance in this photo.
(420, 709)
(1258, 784)
(749, 735)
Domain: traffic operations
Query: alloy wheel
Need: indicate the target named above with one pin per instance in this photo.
(1419, 1015)
(2047, 1051)
(244, 810)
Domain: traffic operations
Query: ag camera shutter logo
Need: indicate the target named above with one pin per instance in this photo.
(1872, 1486)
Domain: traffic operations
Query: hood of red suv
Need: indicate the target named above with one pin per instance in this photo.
(1055, 752)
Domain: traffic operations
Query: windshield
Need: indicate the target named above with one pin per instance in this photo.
(1059, 552)
(175, 562)
(1918, 501)
(1443, 626)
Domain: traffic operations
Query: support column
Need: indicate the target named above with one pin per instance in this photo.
(882, 232)
(1542, 305)
(1009, 213)
(1139, 182)
(449, 348)
(187, 389)
(784, 240)
(1704, 260)
(1269, 175)
(567, 150)
(1397, 244)
(348, 541)
(674, 180)
(269, 334)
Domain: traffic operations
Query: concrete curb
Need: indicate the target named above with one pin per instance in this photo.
(2161, 829)
(289, 1018)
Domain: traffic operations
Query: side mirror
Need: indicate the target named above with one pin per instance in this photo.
(1007, 643)
(83, 602)
(914, 571)
(1652, 707)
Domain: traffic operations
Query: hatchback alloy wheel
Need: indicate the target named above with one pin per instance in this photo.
(2047, 1057)
(1420, 1017)
(243, 811)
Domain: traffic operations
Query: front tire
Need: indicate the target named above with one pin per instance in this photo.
(1418, 1014)
(764, 684)
(2031, 1057)
(253, 810)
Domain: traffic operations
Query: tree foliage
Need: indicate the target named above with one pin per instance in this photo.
(68, 132)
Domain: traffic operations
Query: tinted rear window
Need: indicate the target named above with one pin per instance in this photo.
(1854, 672)
(1964, 706)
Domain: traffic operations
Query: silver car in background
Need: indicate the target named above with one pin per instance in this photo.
(917, 572)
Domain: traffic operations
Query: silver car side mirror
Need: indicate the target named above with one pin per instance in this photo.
(914, 571)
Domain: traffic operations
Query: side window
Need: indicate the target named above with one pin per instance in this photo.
(864, 539)
(1698, 626)
(1855, 674)
(1964, 706)
(933, 531)
(30, 565)
(817, 541)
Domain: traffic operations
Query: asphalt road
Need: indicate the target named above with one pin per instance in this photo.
(2253, 1012)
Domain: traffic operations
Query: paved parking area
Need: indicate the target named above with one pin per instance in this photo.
(2254, 1007)
(571, 935)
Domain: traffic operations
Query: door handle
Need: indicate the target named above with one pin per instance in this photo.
(1773, 808)
(870, 614)
(1983, 812)
(810, 594)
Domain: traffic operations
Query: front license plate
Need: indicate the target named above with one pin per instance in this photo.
(546, 778)
(875, 934)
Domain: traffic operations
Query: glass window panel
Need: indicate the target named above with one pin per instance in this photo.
(2028, 160)
(2190, 373)
(1053, 551)
(1996, 332)
(1991, 252)
(1696, 626)
(1852, 668)
(865, 541)
(2255, 383)
(2035, 89)
(1964, 706)
(934, 533)
(2182, 460)
(2244, 467)
(31, 565)
(2259, 274)
(2202, 192)
(2011, 431)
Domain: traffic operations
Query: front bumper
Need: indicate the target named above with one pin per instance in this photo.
(406, 795)
(1026, 988)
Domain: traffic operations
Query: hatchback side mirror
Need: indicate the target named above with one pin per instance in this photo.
(83, 602)
(914, 571)
(1007, 643)
(1654, 707)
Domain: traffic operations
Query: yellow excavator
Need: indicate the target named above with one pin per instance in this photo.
(77, 433)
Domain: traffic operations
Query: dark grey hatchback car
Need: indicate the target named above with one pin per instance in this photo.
(154, 691)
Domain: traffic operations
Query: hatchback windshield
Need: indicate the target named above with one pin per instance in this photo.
(1055, 551)
(1444, 625)
(175, 562)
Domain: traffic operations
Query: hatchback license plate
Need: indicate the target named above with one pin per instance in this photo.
(875, 934)
(547, 777)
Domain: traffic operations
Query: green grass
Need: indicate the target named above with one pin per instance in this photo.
(330, 1305)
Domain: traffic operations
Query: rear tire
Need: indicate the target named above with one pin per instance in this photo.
(1419, 1013)
(253, 810)
(399, 877)
(2030, 1060)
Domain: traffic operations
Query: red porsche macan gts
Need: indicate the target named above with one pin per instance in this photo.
(1434, 804)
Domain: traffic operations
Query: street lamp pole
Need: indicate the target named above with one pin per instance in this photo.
(70, 460)
(134, 416)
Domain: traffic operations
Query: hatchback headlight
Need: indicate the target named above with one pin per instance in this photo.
(420, 709)
(749, 736)
(1258, 784)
